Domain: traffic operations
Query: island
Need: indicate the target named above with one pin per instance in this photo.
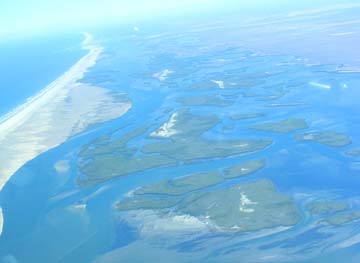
(326, 207)
(328, 138)
(189, 183)
(180, 140)
(248, 206)
(284, 126)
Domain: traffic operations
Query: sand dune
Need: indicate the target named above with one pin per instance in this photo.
(65, 108)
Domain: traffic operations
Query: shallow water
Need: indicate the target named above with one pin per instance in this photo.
(42, 207)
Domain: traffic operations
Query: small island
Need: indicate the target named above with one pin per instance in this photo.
(245, 116)
(189, 183)
(285, 126)
(328, 138)
(326, 207)
(343, 218)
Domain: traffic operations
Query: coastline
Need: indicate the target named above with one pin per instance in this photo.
(72, 75)
(64, 108)
(4, 117)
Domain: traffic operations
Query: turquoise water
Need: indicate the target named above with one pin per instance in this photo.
(29, 65)
(40, 205)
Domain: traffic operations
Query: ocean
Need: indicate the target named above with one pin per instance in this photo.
(42, 206)
(29, 65)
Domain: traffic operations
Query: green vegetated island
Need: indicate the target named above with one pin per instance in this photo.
(185, 184)
(179, 139)
(333, 212)
(328, 138)
(326, 207)
(242, 207)
(343, 218)
(284, 126)
(245, 116)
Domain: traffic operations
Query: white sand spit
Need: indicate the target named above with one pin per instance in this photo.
(63, 109)
(320, 85)
(167, 129)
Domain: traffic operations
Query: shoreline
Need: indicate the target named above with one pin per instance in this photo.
(13, 119)
(62, 109)
(86, 45)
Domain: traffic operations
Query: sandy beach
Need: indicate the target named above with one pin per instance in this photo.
(64, 108)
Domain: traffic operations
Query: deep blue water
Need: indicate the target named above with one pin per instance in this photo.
(28, 65)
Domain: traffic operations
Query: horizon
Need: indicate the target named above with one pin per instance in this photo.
(39, 16)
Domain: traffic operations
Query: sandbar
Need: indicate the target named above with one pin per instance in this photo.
(63, 109)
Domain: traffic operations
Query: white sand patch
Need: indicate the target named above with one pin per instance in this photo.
(63, 109)
(220, 83)
(244, 203)
(167, 129)
(152, 224)
(162, 75)
(62, 166)
(319, 85)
